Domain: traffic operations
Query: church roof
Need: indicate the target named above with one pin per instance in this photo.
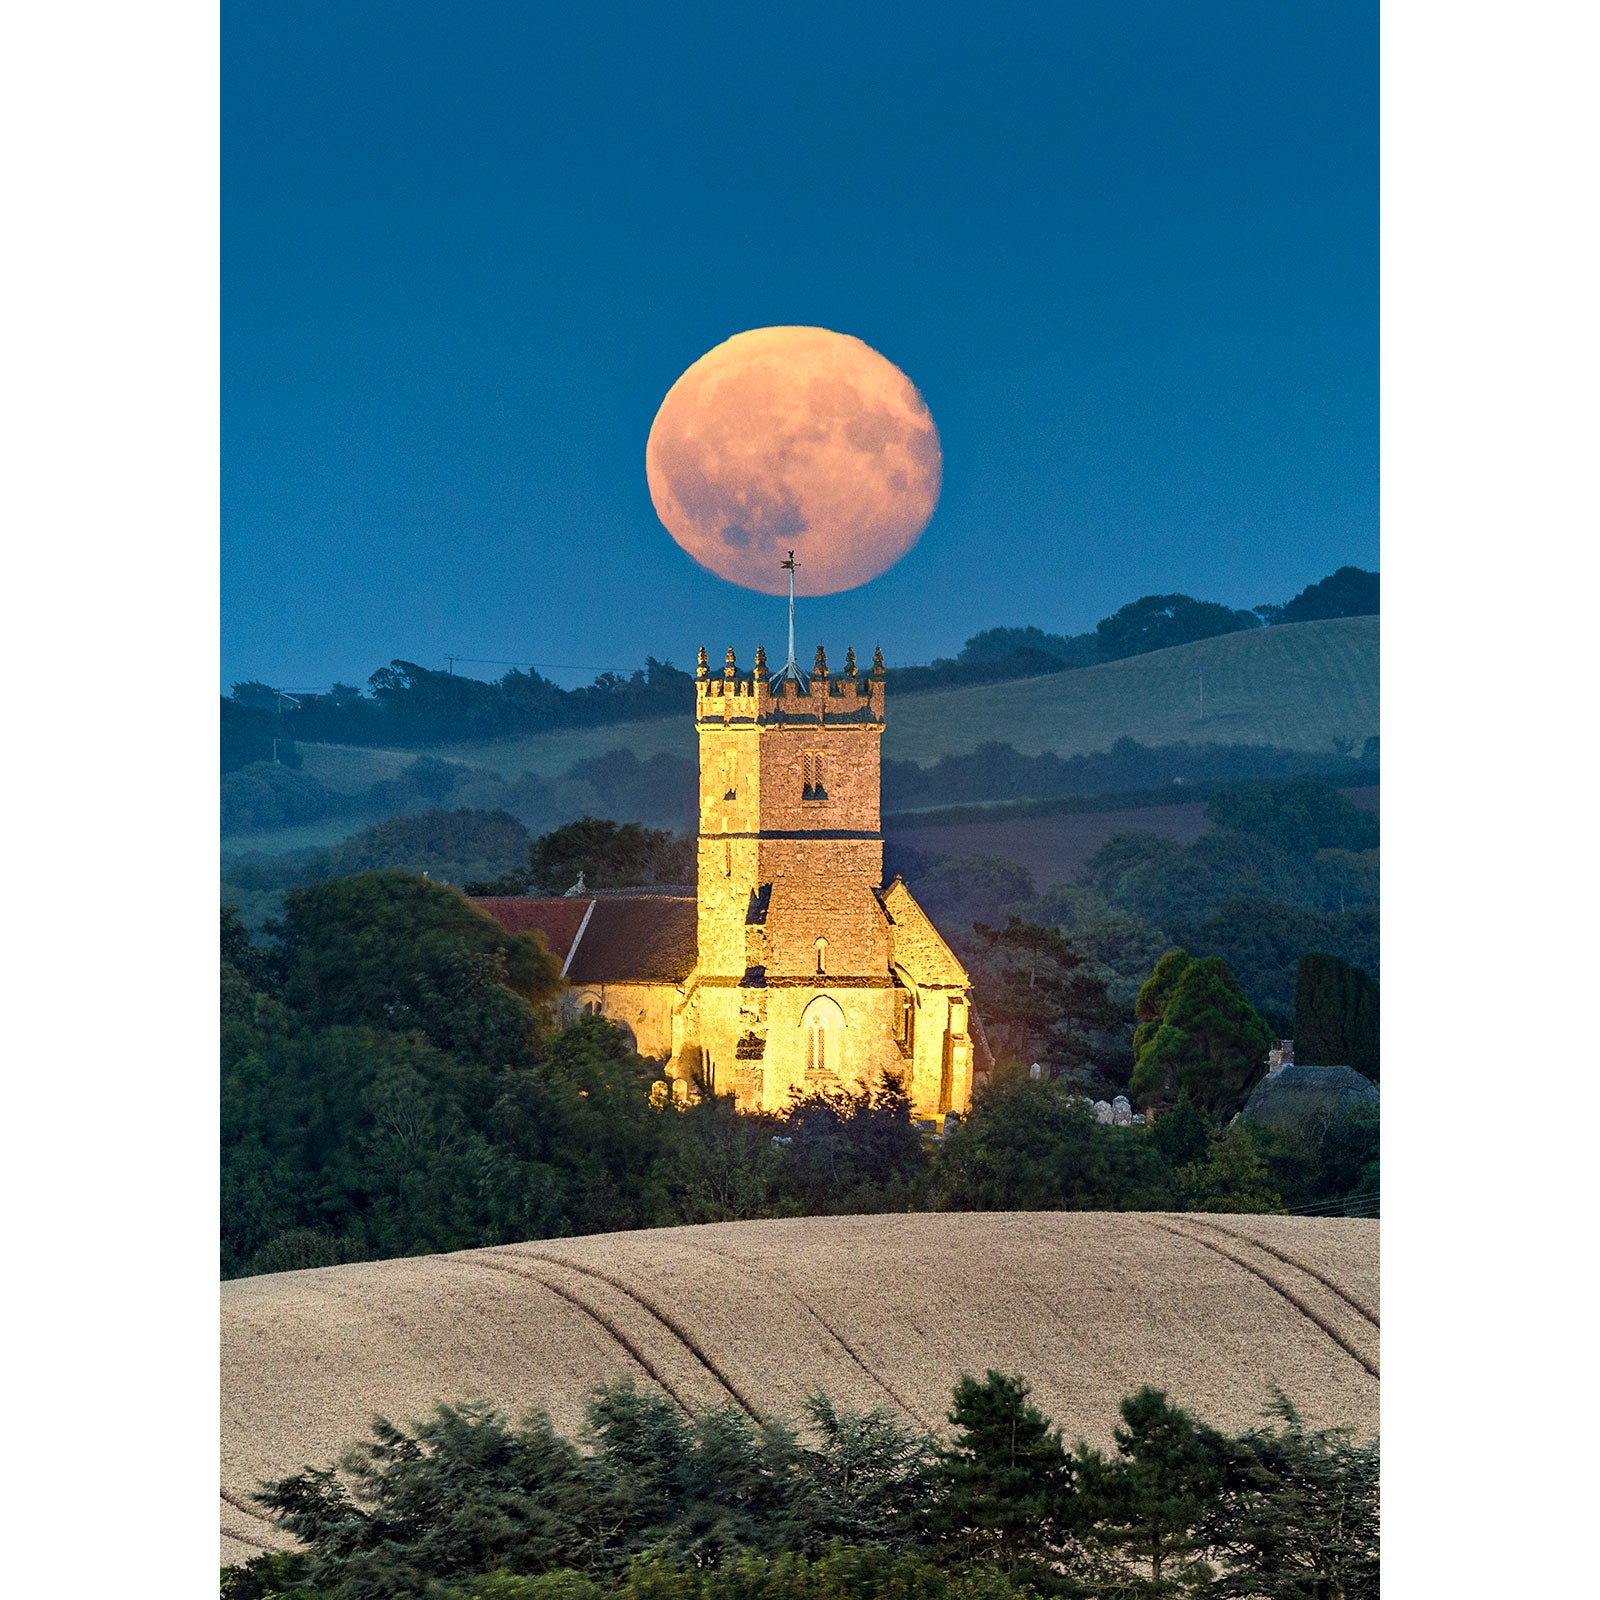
(612, 938)
(917, 945)
(557, 920)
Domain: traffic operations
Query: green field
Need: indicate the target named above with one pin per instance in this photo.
(321, 835)
(1300, 687)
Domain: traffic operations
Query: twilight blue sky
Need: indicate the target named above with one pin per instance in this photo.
(1127, 250)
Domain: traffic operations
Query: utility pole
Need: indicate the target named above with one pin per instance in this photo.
(450, 662)
(281, 696)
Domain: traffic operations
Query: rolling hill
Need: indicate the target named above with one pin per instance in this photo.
(1299, 687)
(883, 1311)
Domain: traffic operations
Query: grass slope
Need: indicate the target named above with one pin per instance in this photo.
(881, 1311)
(1299, 687)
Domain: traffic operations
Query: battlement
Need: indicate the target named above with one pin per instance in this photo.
(757, 698)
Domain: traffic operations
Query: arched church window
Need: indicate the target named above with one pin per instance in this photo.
(817, 1046)
(823, 1023)
(822, 956)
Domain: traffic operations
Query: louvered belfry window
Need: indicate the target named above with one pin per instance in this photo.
(811, 776)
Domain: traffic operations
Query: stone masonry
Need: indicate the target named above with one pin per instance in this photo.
(803, 971)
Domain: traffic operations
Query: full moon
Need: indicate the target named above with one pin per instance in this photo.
(796, 439)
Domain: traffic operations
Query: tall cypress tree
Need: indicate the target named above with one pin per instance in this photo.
(1335, 1015)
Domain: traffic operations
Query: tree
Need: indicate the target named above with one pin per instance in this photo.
(967, 889)
(462, 1494)
(396, 951)
(1336, 1014)
(1182, 1135)
(452, 846)
(1035, 996)
(605, 854)
(1035, 1146)
(251, 732)
(866, 1479)
(1300, 815)
(1300, 1521)
(1148, 1505)
(1233, 1177)
(1349, 592)
(1004, 1483)
(853, 1150)
(1196, 1033)
(1160, 620)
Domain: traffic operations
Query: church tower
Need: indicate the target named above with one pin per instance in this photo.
(797, 966)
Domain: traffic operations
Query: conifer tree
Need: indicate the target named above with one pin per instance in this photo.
(1335, 1015)
(1197, 1033)
(1147, 1507)
(1301, 1522)
(1003, 1488)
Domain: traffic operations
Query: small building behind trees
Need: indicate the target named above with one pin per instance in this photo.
(1296, 1094)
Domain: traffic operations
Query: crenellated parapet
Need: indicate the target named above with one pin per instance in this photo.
(757, 698)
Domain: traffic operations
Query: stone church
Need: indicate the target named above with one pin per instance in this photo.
(792, 966)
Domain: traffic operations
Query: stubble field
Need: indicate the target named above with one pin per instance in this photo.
(872, 1311)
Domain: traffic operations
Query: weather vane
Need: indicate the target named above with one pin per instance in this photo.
(791, 668)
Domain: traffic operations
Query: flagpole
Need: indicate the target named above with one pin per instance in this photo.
(791, 667)
(791, 661)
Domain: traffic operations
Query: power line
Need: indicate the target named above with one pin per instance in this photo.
(545, 666)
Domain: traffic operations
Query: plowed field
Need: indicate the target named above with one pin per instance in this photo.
(872, 1311)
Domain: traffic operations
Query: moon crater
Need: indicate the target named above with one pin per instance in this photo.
(794, 438)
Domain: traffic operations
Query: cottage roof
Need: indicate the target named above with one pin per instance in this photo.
(612, 938)
(1295, 1093)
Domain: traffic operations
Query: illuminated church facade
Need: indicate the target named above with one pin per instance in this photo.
(793, 967)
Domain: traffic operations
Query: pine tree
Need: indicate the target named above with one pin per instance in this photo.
(1198, 1034)
(1301, 1521)
(1002, 1489)
(1147, 1507)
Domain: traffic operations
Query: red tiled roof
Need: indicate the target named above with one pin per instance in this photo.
(557, 920)
(637, 939)
(620, 938)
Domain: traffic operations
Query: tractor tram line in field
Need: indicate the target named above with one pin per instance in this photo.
(1301, 1305)
(827, 1327)
(486, 1261)
(665, 1319)
(1289, 1260)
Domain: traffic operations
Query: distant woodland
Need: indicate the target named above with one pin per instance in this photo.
(408, 706)
(1288, 866)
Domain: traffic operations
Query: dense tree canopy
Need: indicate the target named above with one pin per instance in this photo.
(391, 1084)
(654, 1503)
(457, 845)
(1197, 1035)
(1301, 816)
(387, 949)
(605, 854)
(1035, 995)
(1336, 1014)
(1349, 592)
(1159, 621)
